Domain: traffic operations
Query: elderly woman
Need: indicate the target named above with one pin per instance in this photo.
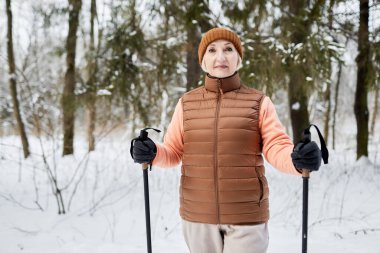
(220, 131)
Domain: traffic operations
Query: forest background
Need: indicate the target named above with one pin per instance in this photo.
(79, 79)
(99, 65)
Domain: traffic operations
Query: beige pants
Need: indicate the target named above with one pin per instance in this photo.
(210, 238)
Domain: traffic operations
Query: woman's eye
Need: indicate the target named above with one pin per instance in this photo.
(229, 49)
(211, 50)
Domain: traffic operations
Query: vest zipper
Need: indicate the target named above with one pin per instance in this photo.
(216, 150)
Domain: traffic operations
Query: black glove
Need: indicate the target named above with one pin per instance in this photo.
(143, 151)
(307, 156)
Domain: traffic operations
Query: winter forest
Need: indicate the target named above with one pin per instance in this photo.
(80, 78)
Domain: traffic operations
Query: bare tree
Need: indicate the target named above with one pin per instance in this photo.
(375, 108)
(336, 97)
(13, 84)
(329, 84)
(362, 82)
(91, 82)
(68, 97)
(327, 112)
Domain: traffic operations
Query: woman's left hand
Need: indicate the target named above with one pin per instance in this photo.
(307, 156)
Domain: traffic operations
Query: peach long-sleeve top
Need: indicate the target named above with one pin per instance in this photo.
(277, 145)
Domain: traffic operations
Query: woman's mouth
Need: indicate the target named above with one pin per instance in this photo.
(221, 67)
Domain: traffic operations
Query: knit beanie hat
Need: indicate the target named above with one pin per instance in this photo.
(219, 34)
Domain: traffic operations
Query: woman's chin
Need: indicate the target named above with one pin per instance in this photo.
(221, 73)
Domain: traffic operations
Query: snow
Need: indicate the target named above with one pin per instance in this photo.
(309, 79)
(12, 77)
(103, 92)
(107, 206)
(171, 42)
(296, 106)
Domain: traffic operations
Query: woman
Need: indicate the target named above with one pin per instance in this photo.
(220, 131)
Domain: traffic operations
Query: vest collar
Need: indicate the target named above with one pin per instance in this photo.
(225, 84)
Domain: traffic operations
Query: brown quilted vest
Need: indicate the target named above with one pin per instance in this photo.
(223, 179)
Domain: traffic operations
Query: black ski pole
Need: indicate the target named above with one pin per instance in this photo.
(147, 207)
(144, 136)
(305, 207)
(305, 178)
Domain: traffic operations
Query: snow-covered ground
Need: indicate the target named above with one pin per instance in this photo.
(103, 196)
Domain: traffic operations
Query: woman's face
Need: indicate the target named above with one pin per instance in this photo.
(221, 59)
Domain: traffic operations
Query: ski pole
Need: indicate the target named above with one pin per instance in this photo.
(305, 178)
(305, 206)
(143, 137)
(147, 207)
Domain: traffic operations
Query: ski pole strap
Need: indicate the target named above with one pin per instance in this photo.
(307, 138)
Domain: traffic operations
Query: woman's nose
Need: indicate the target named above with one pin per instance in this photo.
(220, 56)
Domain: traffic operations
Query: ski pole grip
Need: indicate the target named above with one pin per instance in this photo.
(144, 133)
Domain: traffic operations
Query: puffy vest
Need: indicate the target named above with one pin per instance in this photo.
(223, 179)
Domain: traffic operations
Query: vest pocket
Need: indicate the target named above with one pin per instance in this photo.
(261, 190)
(264, 189)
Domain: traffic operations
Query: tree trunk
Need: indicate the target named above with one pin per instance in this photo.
(327, 113)
(198, 10)
(375, 109)
(336, 97)
(298, 100)
(329, 86)
(91, 82)
(362, 82)
(68, 97)
(193, 72)
(13, 84)
(297, 93)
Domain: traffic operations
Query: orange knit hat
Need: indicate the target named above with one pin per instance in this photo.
(219, 34)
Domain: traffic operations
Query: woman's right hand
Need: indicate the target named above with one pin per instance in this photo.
(143, 151)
